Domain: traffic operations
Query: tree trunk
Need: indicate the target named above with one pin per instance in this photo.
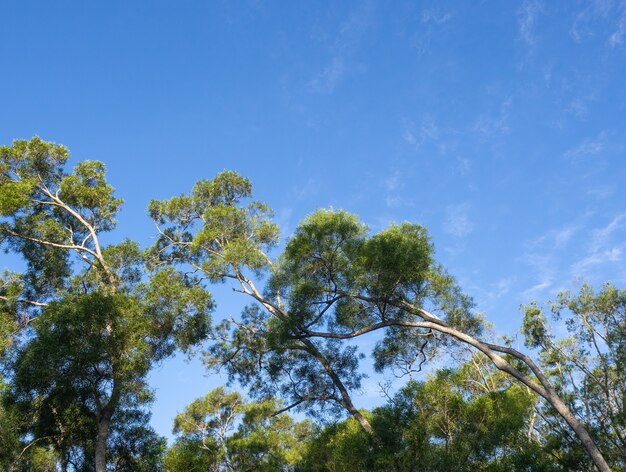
(582, 433)
(101, 442)
(104, 423)
(543, 388)
(360, 418)
(346, 401)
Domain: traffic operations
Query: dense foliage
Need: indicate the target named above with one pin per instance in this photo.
(84, 322)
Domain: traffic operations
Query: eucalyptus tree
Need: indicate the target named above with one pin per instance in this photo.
(92, 321)
(223, 432)
(582, 349)
(211, 233)
(468, 419)
(333, 282)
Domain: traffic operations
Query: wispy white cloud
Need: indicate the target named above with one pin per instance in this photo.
(601, 192)
(345, 44)
(545, 270)
(488, 125)
(488, 295)
(617, 38)
(602, 236)
(309, 189)
(543, 254)
(503, 287)
(589, 147)
(579, 106)
(613, 254)
(575, 252)
(463, 165)
(396, 201)
(393, 185)
(581, 27)
(329, 77)
(432, 21)
(526, 19)
(417, 134)
(437, 17)
(393, 182)
(557, 238)
(457, 222)
(601, 16)
(604, 247)
(284, 219)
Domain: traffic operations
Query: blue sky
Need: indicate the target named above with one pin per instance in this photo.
(499, 125)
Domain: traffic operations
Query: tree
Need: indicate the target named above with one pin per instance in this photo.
(222, 432)
(93, 325)
(333, 282)
(587, 365)
(468, 419)
(230, 241)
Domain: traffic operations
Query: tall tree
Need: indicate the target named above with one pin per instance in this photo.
(586, 362)
(94, 322)
(333, 282)
(219, 236)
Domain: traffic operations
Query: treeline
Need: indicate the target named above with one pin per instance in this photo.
(84, 322)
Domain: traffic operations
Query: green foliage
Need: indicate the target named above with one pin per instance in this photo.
(86, 188)
(83, 359)
(587, 364)
(134, 446)
(332, 276)
(11, 288)
(187, 455)
(14, 196)
(231, 235)
(396, 260)
(341, 447)
(223, 432)
(266, 359)
(463, 420)
(105, 321)
(87, 353)
(179, 311)
(47, 214)
(10, 443)
(331, 257)
(40, 459)
(534, 326)
(90, 351)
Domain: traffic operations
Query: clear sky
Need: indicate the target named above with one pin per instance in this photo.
(501, 126)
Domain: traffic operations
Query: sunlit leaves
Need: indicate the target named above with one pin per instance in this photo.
(14, 195)
(230, 235)
(222, 431)
(86, 189)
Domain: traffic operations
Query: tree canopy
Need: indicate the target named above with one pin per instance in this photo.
(94, 319)
(84, 322)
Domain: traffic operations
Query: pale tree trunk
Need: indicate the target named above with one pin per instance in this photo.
(492, 351)
(432, 322)
(346, 401)
(581, 432)
(543, 388)
(104, 424)
(101, 442)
